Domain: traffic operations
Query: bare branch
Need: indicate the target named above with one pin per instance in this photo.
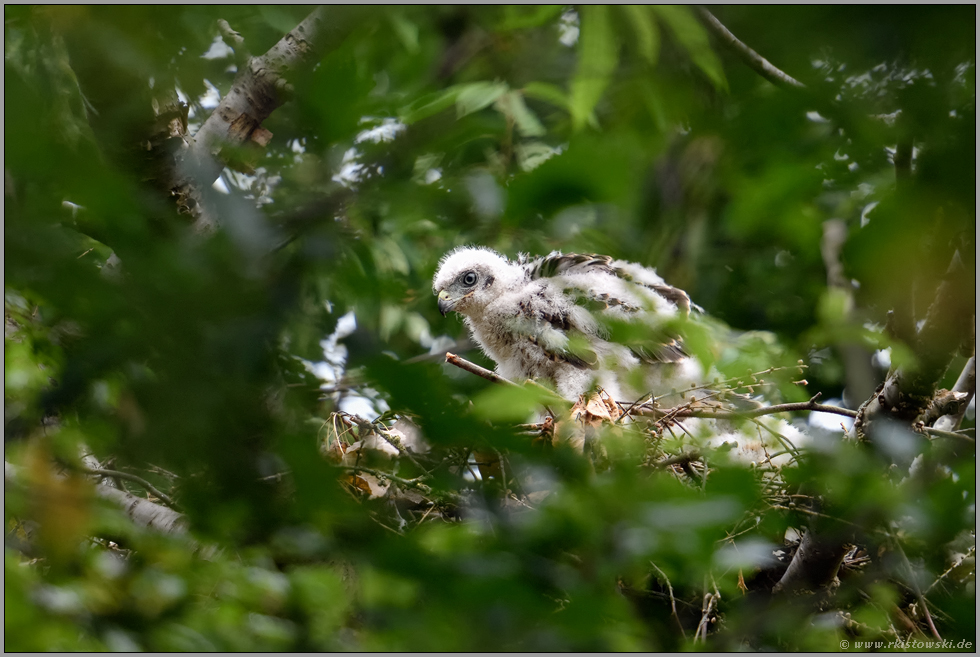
(946, 434)
(970, 553)
(754, 60)
(907, 393)
(143, 512)
(708, 607)
(260, 88)
(381, 474)
(811, 405)
(233, 38)
(673, 602)
(903, 397)
(150, 488)
(473, 368)
(966, 382)
(749, 413)
(918, 592)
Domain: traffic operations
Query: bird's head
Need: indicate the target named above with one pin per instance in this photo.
(469, 278)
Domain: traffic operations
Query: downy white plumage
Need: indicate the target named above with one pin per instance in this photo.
(553, 318)
(581, 321)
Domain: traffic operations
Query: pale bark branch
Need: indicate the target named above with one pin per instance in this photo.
(750, 413)
(930, 431)
(473, 368)
(142, 512)
(754, 60)
(673, 601)
(907, 392)
(903, 397)
(261, 87)
(119, 474)
(966, 382)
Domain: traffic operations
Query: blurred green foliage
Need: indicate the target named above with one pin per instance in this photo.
(205, 365)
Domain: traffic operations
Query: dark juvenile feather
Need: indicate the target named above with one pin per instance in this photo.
(590, 362)
(560, 321)
(669, 352)
(675, 295)
(557, 263)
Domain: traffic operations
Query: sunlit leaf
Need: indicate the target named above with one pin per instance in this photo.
(478, 95)
(693, 37)
(429, 105)
(512, 105)
(505, 403)
(527, 16)
(598, 53)
(647, 32)
(407, 31)
(546, 92)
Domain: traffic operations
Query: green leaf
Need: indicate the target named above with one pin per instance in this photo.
(694, 39)
(278, 19)
(429, 105)
(644, 24)
(407, 31)
(525, 16)
(597, 57)
(533, 154)
(478, 95)
(549, 93)
(834, 306)
(506, 403)
(512, 105)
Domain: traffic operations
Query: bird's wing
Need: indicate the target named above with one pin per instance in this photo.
(558, 330)
(557, 263)
(620, 294)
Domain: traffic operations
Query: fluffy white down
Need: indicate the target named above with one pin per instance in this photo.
(531, 325)
(528, 317)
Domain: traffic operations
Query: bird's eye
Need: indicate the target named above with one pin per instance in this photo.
(469, 279)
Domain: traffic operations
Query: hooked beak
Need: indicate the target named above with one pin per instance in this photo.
(446, 302)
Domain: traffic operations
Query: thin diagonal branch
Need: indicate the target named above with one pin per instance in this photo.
(811, 405)
(918, 592)
(473, 368)
(754, 60)
(929, 431)
(673, 602)
(150, 488)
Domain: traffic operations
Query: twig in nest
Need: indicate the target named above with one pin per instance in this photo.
(680, 459)
(381, 474)
(673, 602)
(815, 514)
(687, 411)
(708, 607)
(918, 591)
